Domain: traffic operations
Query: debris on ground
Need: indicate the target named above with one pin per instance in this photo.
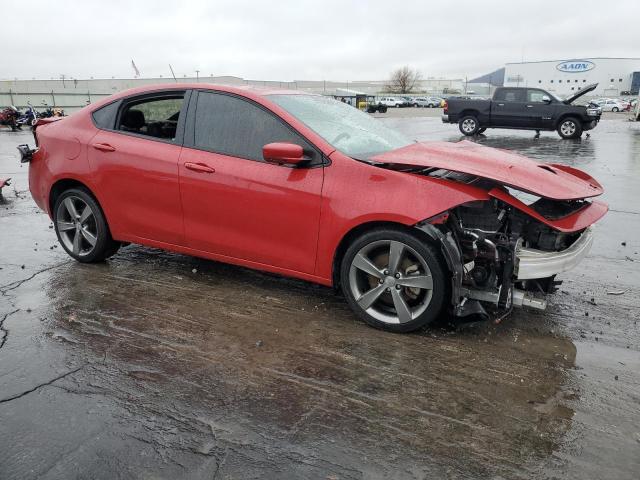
(616, 292)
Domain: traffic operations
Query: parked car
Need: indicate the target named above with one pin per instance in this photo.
(305, 186)
(392, 101)
(429, 102)
(419, 102)
(612, 105)
(522, 108)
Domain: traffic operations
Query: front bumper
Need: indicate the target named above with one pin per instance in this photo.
(445, 118)
(532, 263)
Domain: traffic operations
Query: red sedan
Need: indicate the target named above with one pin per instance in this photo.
(308, 187)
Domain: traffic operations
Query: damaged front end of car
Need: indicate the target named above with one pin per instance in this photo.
(500, 257)
(530, 223)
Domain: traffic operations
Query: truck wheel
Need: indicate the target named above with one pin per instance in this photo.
(569, 128)
(469, 125)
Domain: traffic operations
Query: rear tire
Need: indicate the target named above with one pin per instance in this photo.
(394, 280)
(81, 227)
(469, 125)
(615, 109)
(569, 127)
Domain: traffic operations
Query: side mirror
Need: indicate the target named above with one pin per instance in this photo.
(546, 99)
(283, 153)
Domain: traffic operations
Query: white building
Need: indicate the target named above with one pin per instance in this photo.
(613, 75)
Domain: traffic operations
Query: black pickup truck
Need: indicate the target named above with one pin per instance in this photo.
(522, 108)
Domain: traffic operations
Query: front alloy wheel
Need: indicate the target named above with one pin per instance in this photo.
(393, 280)
(570, 128)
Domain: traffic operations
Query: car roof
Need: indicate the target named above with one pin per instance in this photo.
(250, 91)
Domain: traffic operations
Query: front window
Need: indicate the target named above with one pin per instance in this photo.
(536, 96)
(349, 130)
(232, 126)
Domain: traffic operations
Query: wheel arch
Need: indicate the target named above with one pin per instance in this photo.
(469, 112)
(63, 184)
(361, 229)
(564, 116)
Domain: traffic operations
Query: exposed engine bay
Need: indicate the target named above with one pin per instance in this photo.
(482, 240)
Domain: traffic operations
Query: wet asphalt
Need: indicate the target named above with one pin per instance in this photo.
(160, 366)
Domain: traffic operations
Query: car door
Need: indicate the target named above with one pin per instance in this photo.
(134, 159)
(508, 108)
(542, 114)
(237, 205)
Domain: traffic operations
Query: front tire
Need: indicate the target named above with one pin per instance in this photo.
(570, 128)
(81, 227)
(615, 109)
(394, 280)
(469, 125)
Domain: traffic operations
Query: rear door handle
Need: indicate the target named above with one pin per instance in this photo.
(529, 106)
(104, 147)
(199, 167)
(501, 104)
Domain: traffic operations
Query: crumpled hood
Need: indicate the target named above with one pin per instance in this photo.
(558, 182)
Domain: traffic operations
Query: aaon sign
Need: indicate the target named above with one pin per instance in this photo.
(576, 66)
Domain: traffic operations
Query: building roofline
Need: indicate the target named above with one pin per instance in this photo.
(574, 59)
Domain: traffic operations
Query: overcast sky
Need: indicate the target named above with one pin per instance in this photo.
(305, 40)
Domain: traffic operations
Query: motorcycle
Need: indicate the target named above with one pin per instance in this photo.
(29, 117)
(51, 112)
(9, 117)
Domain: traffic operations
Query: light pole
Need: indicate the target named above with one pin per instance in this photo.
(197, 76)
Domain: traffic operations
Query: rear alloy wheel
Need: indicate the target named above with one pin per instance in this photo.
(570, 128)
(615, 109)
(469, 125)
(81, 227)
(393, 280)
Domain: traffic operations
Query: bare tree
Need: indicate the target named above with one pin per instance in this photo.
(403, 80)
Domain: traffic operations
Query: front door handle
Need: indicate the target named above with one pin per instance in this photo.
(104, 147)
(529, 106)
(501, 104)
(199, 167)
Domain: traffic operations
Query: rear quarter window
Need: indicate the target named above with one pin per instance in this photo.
(105, 117)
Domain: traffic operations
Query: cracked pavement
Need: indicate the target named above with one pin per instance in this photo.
(140, 368)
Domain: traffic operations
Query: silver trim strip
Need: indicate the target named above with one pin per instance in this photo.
(534, 263)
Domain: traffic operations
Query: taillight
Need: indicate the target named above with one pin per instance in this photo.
(446, 107)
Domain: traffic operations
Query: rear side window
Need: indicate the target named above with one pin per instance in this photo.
(232, 126)
(510, 95)
(154, 117)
